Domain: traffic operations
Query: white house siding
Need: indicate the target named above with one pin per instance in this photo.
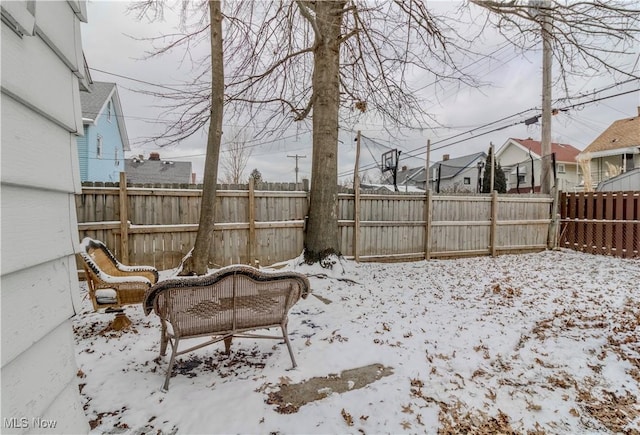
(570, 180)
(83, 154)
(40, 175)
(512, 153)
(600, 171)
(525, 171)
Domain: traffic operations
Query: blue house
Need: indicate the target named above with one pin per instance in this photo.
(101, 149)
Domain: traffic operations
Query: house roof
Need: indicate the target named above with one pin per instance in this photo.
(564, 152)
(383, 188)
(94, 101)
(452, 167)
(627, 181)
(157, 171)
(406, 175)
(623, 133)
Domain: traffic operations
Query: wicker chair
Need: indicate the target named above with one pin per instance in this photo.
(113, 285)
(228, 303)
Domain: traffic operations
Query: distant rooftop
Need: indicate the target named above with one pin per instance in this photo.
(93, 101)
(154, 170)
(623, 133)
(564, 152)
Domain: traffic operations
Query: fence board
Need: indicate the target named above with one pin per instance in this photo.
(598, 228)
(608, 234)
(619, 227)
(631, 213)
(590, 214)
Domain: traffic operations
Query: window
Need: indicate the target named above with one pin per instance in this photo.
(116, 158)
(521, 179)
(561, 168)
(628, 162)
(109, 111)
(99, 147)
(467, 180)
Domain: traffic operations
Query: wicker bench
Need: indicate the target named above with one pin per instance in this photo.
(111, 284)
(228, 303)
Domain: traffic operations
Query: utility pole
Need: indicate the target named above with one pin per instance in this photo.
(427, 163)
(493, 167)
(297, 157)
(544, 12)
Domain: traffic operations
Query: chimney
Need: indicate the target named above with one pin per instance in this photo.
(445, 157)
(154, 156)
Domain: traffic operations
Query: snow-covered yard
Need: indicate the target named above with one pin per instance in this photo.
(538, 343)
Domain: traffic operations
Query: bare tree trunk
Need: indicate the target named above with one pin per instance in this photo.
(321, 238)
(199, 260)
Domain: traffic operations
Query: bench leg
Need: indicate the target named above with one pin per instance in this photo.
(163, 340)
(285, 335)
(174, 350)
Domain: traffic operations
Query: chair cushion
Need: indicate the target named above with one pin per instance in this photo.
(106, 296)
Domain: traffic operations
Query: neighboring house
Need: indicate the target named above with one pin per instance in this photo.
(42, 69)
(407, 177)
(626, 182)
(154, 170)
(521, 158)
(101, 149)
(459, 174)
(615, 151)
(387, 188)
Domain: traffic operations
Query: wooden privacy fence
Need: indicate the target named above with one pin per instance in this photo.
(606, 223)
(158, 226)
(388, 227)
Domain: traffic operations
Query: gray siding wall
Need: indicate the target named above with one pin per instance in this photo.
(41, 68)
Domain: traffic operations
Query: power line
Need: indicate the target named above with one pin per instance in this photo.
(565, 108)
(244, 147)
(143, 81)
(409, 153)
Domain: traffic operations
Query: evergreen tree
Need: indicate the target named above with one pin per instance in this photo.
(499, 180)
(256, 175)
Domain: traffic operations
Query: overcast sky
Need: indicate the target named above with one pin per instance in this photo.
(514, 79)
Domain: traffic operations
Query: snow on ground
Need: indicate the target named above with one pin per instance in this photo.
(538, 343)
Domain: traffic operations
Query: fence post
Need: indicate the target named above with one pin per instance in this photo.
(552, 238)
(124, 219)
(427, 230)
(356, 203)
(252, 221)
(494, 221)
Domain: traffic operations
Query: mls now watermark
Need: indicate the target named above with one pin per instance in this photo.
(28, 423)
